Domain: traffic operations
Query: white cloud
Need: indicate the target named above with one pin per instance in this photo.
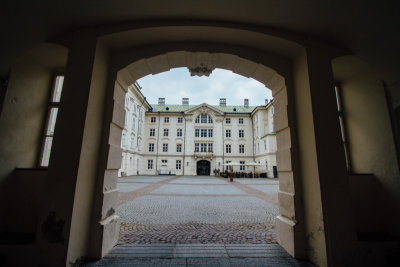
(177, 83)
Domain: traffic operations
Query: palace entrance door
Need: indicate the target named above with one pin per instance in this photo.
(203, 167)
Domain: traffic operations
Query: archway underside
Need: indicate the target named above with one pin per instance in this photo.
(287, 227)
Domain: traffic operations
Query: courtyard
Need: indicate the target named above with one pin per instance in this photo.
(196, 209)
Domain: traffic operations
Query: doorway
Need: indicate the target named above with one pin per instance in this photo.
(203, 167)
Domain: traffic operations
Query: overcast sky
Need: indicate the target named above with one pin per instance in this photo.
(177, 83)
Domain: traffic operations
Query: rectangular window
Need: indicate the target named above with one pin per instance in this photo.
(240, 120)
(126, 100)
(203, 132)
(51, 121)
(228, 133)
(203, 147)
(228, 120)
(153, 119)
(165, 147)
(151, 147)
(178, 164)
(342, 126)
(133, 123)
(165, 132)
(179, 148)
(242, 167)
(179, 132)
(123, 140)
(196, 132)
(126, 120)
(180, 119)
(166, 119)
(150, 164)
(152, 132)
(227, 166)
(210, 132)
(228, 149)
(241, 133)
(241, 148)
(196, 147)
(210, 147)
(132, 141)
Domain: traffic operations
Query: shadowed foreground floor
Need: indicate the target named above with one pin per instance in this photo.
(198, 255)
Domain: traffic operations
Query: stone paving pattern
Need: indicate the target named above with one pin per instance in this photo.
(197, 221)
(200, 209)
(198, 255)
(197, 233)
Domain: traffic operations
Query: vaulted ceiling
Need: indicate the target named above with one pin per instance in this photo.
(369, 29)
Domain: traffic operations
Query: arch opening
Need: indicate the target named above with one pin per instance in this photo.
(206, 61)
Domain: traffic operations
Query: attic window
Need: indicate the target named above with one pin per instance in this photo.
(234, 109)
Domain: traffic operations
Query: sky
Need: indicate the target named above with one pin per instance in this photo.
(177, 83)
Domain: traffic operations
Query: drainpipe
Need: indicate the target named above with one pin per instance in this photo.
(254, 148)
(184, 146)
(223, 143)
(158, 137)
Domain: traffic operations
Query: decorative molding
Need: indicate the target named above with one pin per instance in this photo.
(200, 70)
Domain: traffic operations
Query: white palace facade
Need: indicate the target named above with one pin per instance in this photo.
(196, 139)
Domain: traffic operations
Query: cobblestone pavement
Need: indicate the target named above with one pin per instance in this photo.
(197, 209)
(197, 233)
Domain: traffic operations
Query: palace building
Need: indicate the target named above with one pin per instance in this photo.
(196, 139)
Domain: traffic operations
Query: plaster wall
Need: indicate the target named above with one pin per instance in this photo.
(25, 101)
(371, 143)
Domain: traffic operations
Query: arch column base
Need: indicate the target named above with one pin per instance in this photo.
(288, 236)
(110, 229)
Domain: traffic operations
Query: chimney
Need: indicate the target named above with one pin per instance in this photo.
(161, 101)
(185, 101)
(246, 102)
(222, 102)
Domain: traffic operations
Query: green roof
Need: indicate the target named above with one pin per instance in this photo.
(182, 108)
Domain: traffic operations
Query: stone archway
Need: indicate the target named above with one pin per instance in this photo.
(290, 233)
(203, 167)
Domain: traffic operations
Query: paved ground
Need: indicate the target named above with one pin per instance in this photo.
(183, 210)
(198, 255)
(197, 221)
